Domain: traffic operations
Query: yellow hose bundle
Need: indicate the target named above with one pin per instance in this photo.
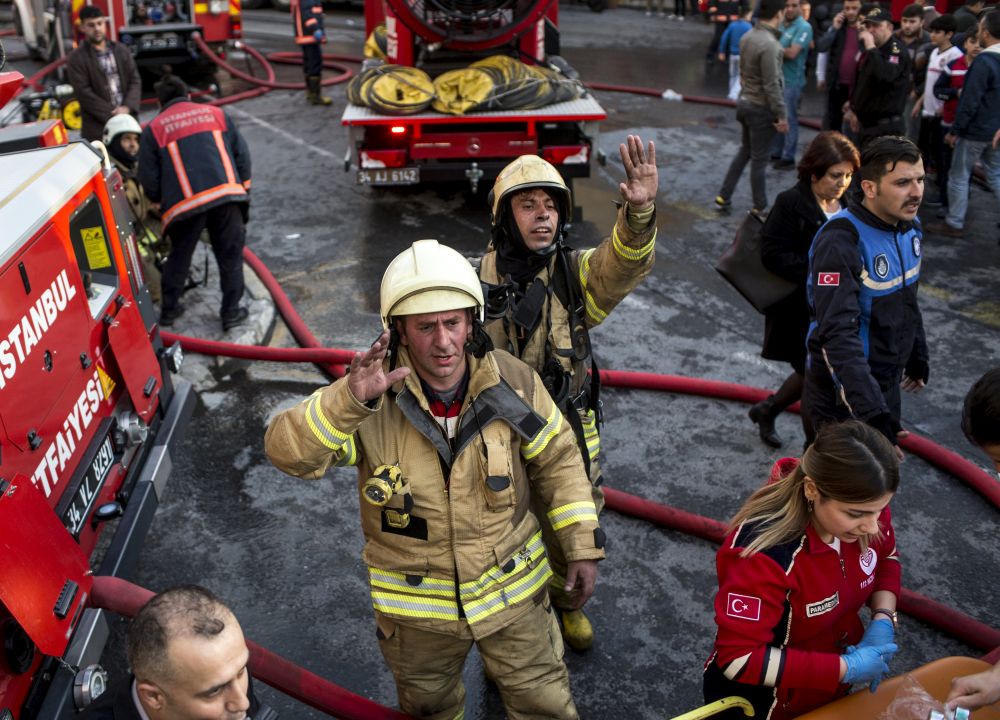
(375, 45)
(458, 92)
(398, 90)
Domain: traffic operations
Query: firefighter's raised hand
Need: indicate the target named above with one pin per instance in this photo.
(581, 576)
(368, 379)
(641, 179)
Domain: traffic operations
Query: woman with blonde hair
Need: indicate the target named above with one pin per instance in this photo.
(804, 554)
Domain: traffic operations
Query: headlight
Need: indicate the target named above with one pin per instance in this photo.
(174, 357)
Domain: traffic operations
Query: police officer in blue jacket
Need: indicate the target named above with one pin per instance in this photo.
(866, 340)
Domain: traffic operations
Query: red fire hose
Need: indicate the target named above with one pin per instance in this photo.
(122, 597)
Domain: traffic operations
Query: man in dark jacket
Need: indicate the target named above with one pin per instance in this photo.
(967, 16)
(195, 164)
(189, 662)
(867, 339)
(103, 75)
(841, 42)
(977, 121)
(882, 83)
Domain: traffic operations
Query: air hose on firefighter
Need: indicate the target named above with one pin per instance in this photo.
(953, 622)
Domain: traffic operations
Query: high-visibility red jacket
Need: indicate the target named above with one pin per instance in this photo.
(191, 158)
(787, 613)
(307, 18)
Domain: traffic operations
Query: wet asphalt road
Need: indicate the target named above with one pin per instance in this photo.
(286, 553)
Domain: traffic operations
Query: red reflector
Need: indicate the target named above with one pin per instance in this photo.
(567, 154)
(397, 129)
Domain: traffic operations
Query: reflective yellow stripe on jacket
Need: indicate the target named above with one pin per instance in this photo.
(341, 443)
(590, 434)
(394, 593)
(542, 438)
(494, 591)
(629, 253)
(576, 512)
(593, 311)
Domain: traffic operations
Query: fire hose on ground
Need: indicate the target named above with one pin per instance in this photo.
(332, 361)
(122, 597)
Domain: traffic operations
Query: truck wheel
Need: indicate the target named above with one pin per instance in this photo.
(285, 5)
(597, 5)
(254, 4)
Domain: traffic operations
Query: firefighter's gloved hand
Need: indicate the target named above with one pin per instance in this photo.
(880, 632)
(319, 35)
(868, 664)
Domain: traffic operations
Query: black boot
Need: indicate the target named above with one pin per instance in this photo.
(763, 415)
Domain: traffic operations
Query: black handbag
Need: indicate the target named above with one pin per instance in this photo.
(743, 267)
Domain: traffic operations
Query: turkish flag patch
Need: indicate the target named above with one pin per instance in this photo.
(894, 60)
(746, 607)
(828, 279)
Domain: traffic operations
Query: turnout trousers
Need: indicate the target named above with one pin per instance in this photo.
(524, 659)
(228, 236)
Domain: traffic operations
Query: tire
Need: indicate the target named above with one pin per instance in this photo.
(254, 4)
(285, 5)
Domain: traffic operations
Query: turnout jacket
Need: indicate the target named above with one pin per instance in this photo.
(307, 18)
(606, 274)
(862, 289)
(472, 552)
(192, 158)
(786, 614)
(884, 79)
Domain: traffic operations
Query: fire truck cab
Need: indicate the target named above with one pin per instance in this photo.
(90, 416)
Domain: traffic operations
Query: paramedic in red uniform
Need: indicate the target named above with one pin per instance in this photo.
(195, 164)
(805, 553)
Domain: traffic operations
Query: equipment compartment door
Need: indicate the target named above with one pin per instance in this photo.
(136, 360)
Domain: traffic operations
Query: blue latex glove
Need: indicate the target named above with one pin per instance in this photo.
(880, 632)
(867, 664)
(319, 35)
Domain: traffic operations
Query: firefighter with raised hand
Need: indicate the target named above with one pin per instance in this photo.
(307, 21)
(544, 298)
(451, 439)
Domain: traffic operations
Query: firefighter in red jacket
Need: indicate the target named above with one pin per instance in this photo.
(307, 20)
(805, 553)
(195, 164)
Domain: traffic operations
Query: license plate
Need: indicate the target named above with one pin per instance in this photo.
(159, 43)
(79, 509)
(389, 176)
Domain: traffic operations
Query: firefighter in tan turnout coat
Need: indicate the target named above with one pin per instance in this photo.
(450, 439)
(544, 297)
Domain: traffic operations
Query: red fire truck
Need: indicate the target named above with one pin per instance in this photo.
(90, 416)
(161, 31)
(440, 35)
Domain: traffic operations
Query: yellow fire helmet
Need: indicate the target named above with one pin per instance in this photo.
(429, 277)
(528, 171)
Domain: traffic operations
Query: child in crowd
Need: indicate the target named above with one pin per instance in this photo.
(730, 45)
(947, 90)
